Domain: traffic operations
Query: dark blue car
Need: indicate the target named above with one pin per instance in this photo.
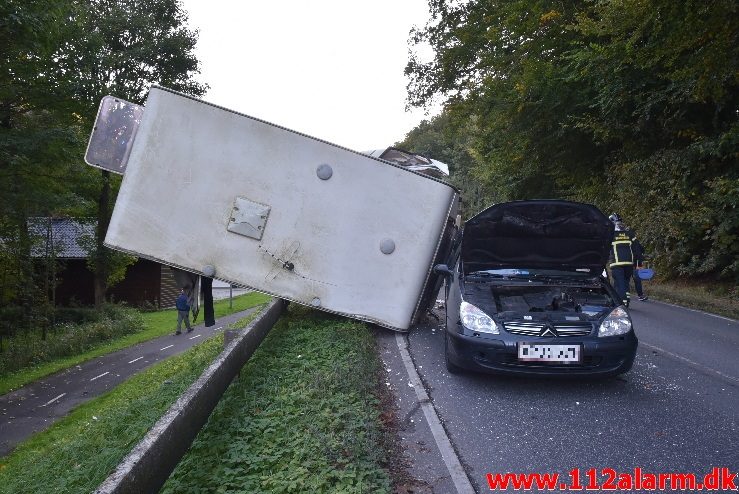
(525, 293)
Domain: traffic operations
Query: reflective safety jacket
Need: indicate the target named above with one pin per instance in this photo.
(621, 248)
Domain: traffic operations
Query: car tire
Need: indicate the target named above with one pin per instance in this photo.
(450, 366)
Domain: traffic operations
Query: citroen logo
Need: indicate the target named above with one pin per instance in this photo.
(547, 331)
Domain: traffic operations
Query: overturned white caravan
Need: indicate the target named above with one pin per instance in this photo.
(221, 194)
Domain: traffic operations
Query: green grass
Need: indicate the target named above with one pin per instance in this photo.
(303, 417)
(722, 299)
(27, 349)
(77, 453)
(156, 324)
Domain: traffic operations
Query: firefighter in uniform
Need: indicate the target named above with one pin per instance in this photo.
(622, 257)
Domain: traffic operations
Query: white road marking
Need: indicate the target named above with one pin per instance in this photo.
(101, 375)
(53, 400)
(694, 310)
(134, 360)
(196, 336)
(695, 364)
(459, 477)
(168, 346)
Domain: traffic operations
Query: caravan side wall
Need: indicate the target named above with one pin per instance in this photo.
(321, 240)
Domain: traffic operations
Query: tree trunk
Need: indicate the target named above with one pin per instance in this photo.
(47, 274)
(101, 264)
(26, 284)
(53, 289)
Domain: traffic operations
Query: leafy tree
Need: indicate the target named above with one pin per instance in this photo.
(38, 137)
(124, 48)
(664, 81)
(628, 104)
(442, 139)
(57, 59)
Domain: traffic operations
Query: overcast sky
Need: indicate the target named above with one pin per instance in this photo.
(332, 69)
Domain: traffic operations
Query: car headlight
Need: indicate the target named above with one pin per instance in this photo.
(618, 322)
(476, 320)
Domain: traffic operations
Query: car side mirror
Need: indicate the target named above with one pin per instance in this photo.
(444, 270)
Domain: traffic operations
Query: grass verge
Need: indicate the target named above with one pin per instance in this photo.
(156, 324)
(303, 417)
(77, 453)
(713, 298)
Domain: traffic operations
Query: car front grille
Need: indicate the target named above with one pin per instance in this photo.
(573, 328)
(561, 328)
(524, 328)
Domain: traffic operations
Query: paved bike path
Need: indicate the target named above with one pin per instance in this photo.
(37, 405)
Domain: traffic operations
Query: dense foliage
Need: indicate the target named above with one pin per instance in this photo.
(632, 105)
(70, 338)
(57, 59)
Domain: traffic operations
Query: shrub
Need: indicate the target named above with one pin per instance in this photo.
(76, 315)
(25, 350)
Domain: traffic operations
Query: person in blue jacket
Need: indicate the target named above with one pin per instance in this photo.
(183, 312)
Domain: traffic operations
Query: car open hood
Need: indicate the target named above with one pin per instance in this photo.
(546, 234)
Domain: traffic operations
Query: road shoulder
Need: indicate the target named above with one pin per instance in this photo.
(426, 470)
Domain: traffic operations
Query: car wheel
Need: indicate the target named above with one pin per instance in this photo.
(450, 366)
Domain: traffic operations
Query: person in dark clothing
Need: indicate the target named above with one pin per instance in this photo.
(622, 258)
(638, 250)
(183, 312)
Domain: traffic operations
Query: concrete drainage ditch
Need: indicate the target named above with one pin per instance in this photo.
(148, 466)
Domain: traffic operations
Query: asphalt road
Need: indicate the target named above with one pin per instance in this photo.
(677, 410)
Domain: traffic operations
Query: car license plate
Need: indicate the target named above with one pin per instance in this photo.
(535, 352)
